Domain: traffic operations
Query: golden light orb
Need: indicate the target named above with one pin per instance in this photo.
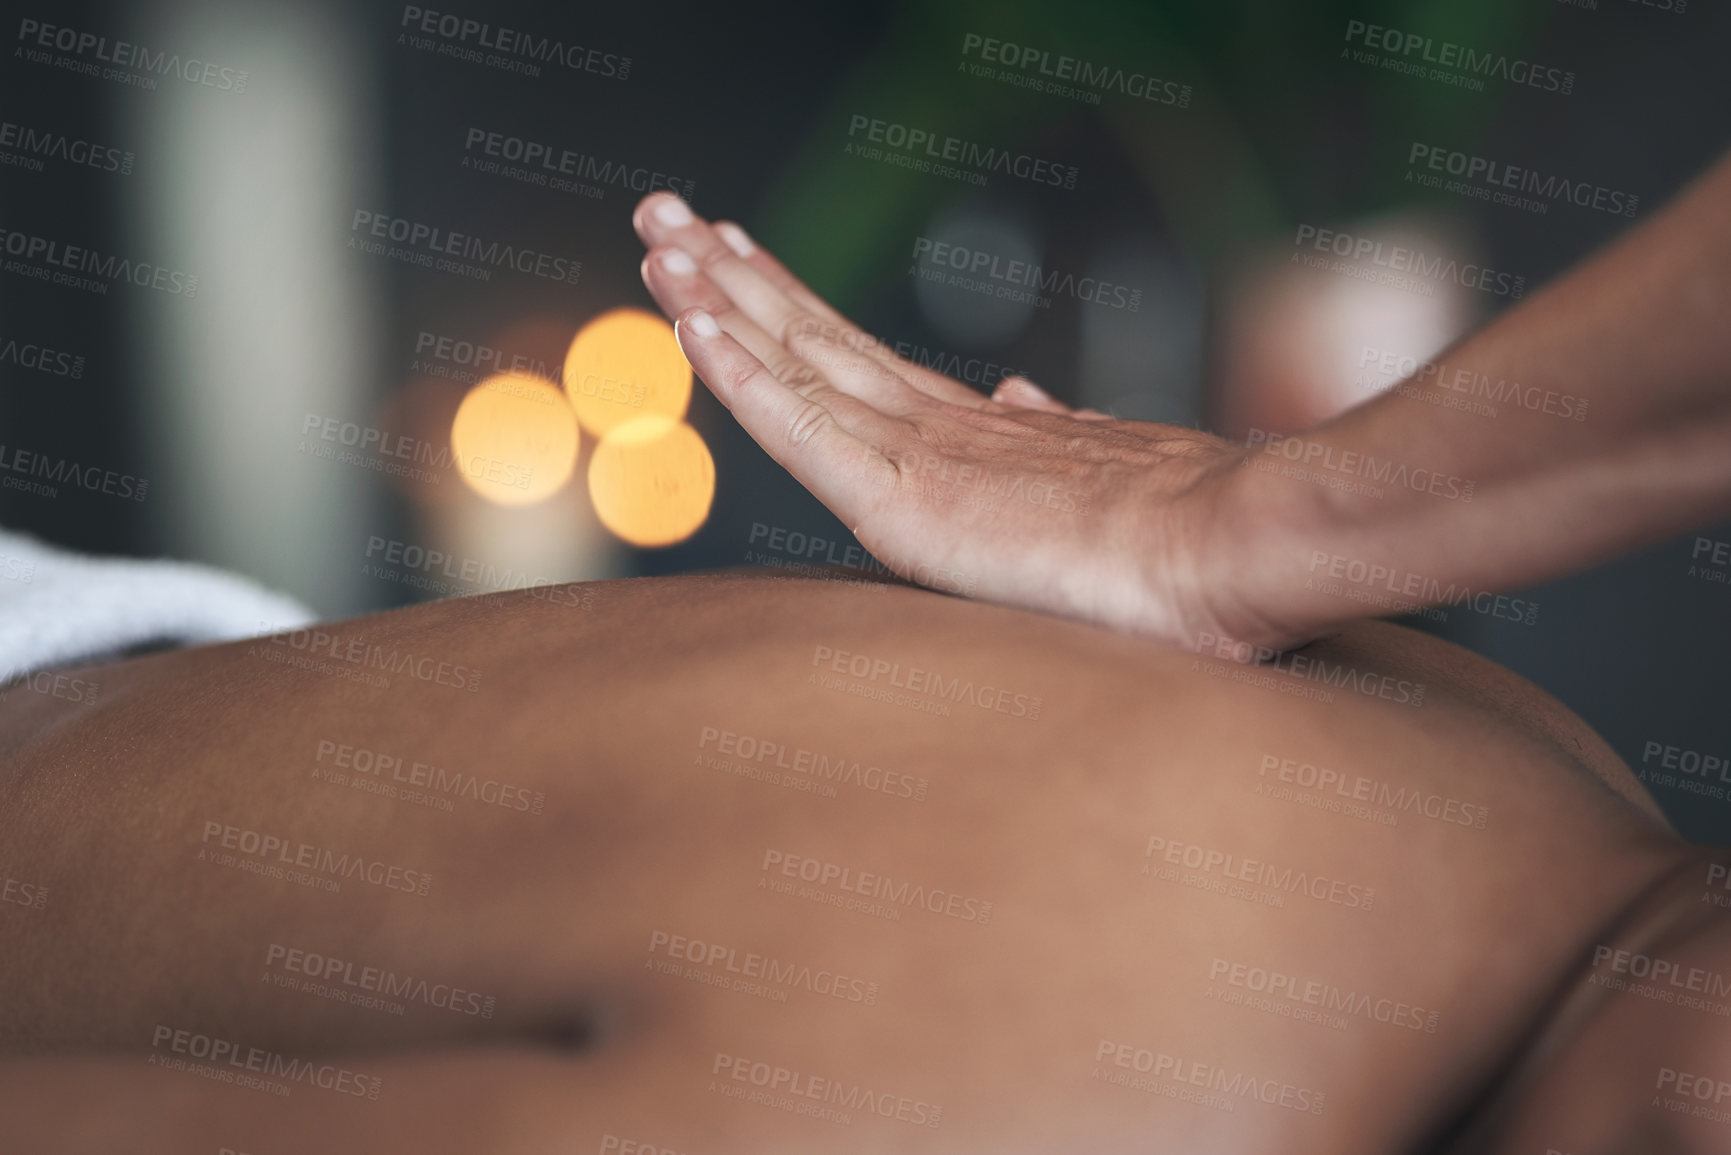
(623, 365)
(652, 481)
(514, 440)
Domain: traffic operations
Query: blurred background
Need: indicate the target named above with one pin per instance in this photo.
(345, 296)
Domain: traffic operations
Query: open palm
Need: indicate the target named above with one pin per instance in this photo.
(1015, 498)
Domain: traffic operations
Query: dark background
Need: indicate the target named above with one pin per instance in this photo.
(254, 192)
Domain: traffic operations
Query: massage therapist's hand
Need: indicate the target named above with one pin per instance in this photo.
(1015, 498)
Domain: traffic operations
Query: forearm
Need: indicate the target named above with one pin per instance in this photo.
(1590, 420)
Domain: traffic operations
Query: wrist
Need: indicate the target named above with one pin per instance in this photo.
(1248, 546)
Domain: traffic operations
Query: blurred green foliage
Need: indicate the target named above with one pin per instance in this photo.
(1281, 124)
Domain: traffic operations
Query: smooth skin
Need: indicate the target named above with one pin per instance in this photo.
(1087, 970)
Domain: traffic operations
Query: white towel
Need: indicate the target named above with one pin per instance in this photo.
(58, 607)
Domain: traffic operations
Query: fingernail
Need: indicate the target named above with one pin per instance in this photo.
(678, 262)
(703, 324)
(736, 238)
(1028, 387)
(671, 211)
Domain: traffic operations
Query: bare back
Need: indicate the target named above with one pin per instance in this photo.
(739, 864)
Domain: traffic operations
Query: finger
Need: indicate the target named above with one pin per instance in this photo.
(677, 285)
(664, 219)
(830, 326)
(776, 273)
(1020, 393)
(812, 434)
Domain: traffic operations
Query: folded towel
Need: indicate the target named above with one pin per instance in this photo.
(58, 607)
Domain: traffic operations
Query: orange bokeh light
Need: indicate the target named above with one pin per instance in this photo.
(623, 365)
(514, 440)
(652, 481)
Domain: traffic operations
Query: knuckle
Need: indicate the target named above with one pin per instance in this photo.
(736, 375)
(906, 468)
(807, 422)
(792, 371)
(944, 438)
(903, 464)
(804, 376)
